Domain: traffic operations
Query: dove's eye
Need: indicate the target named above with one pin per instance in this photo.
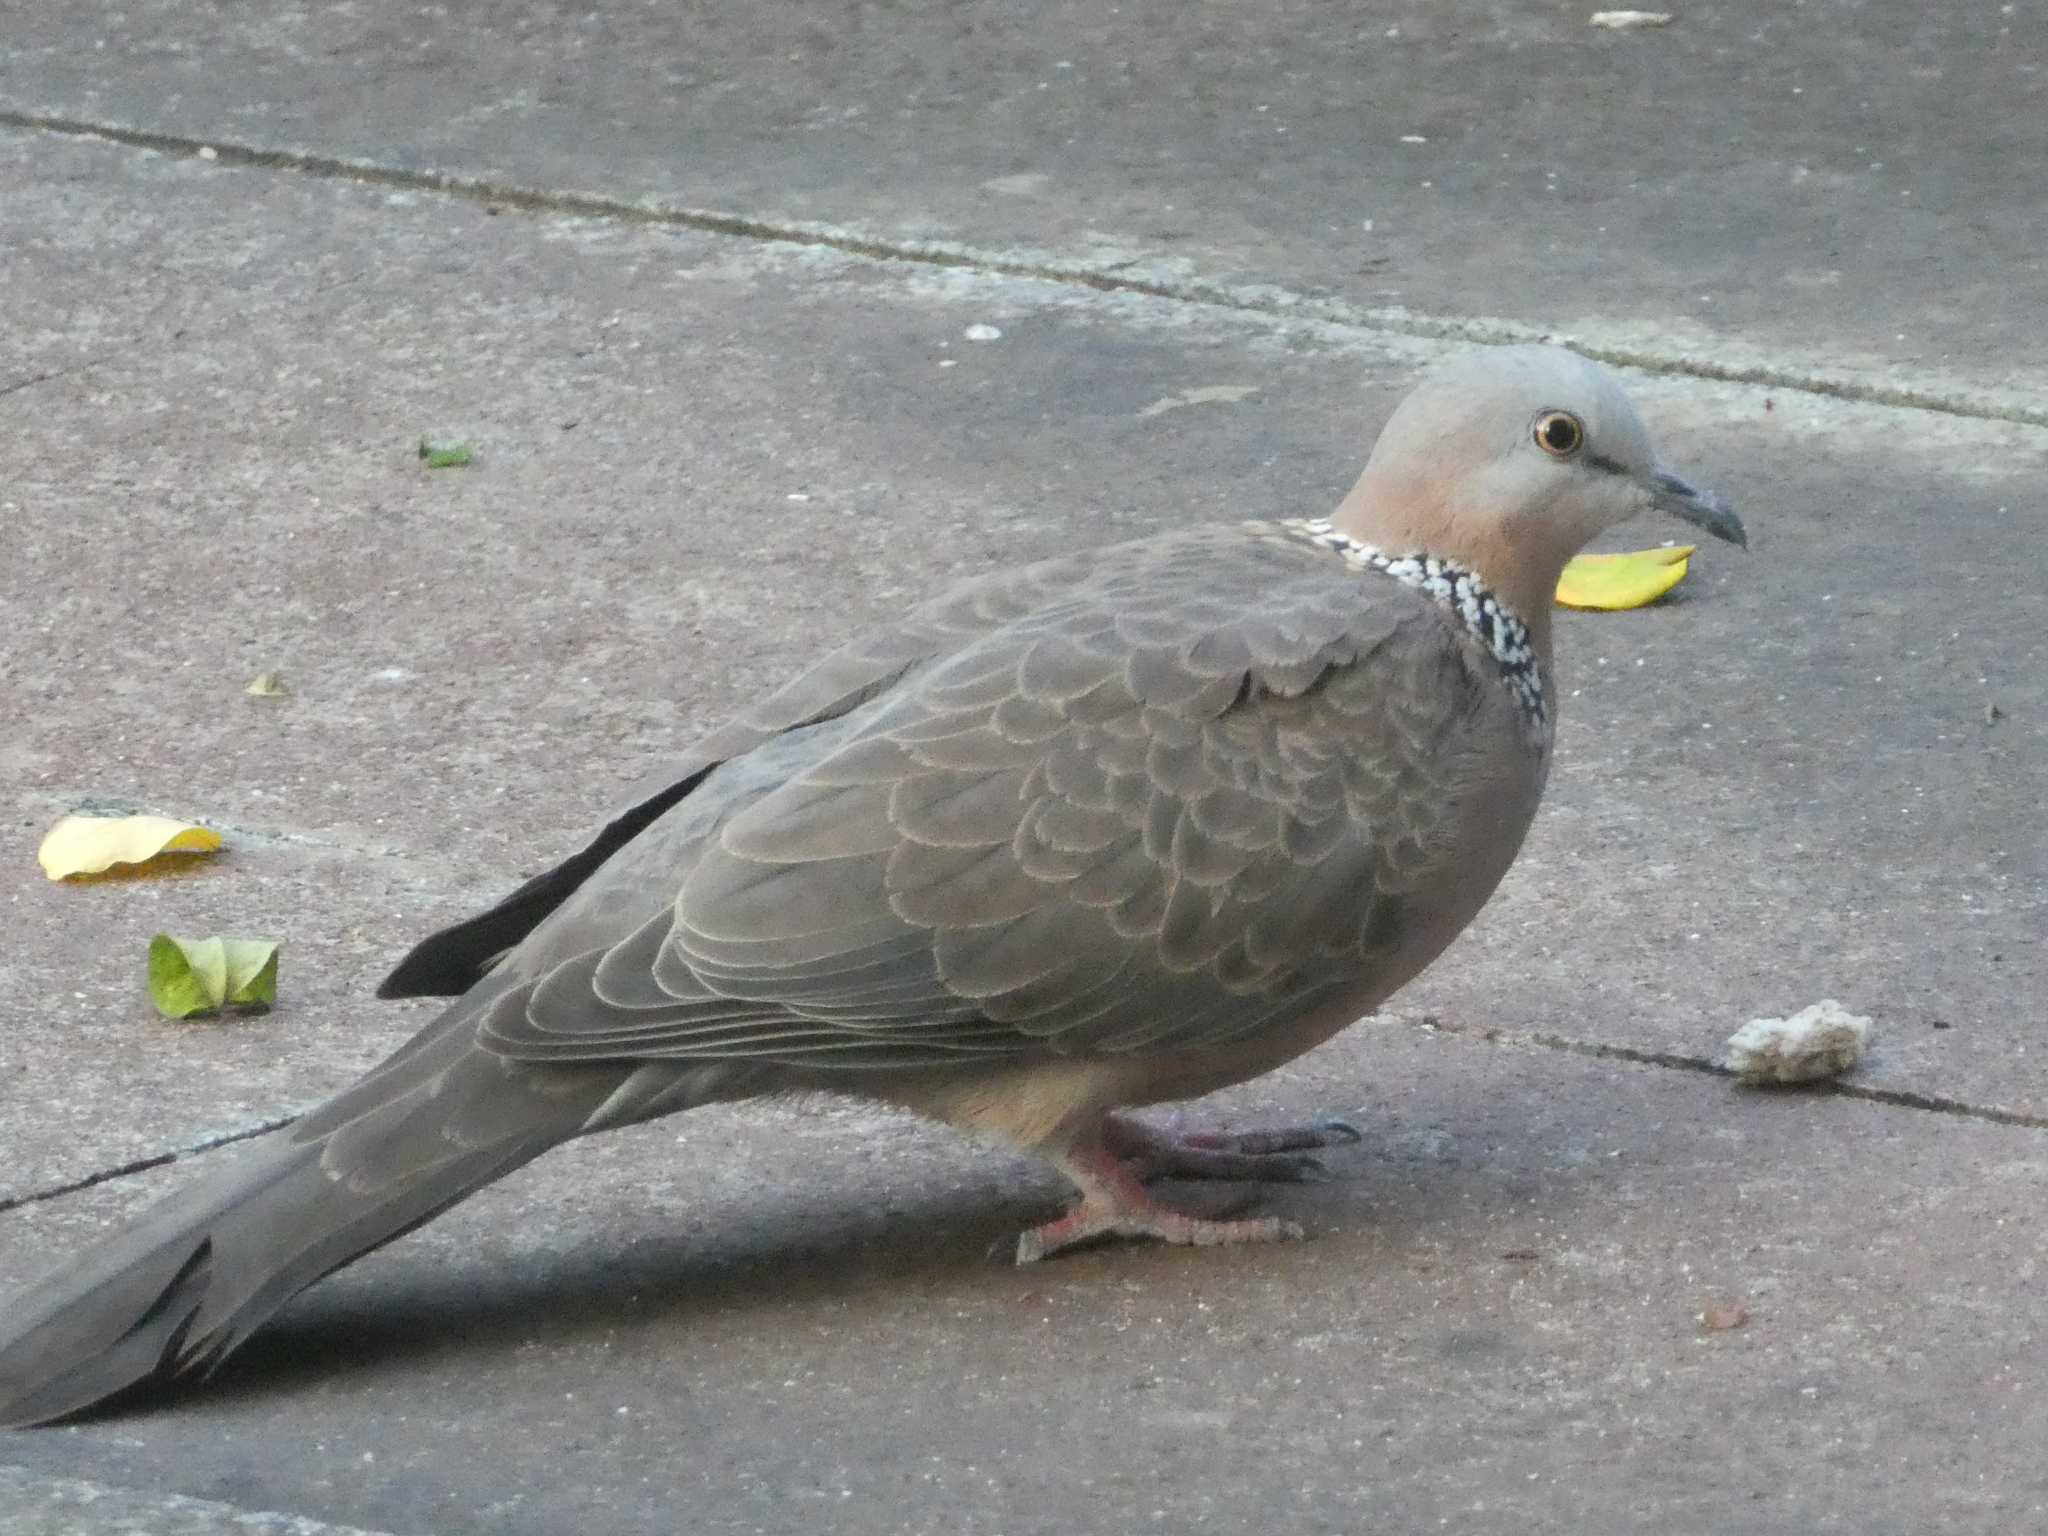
(1560, 434)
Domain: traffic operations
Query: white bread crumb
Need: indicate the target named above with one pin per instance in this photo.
(1822, 1041)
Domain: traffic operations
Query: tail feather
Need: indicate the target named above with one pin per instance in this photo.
(66, 1359)
(197, 1274)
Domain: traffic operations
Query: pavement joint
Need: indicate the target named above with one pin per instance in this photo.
(144, 1164)
(1926, 392)
(16, 386)
(1898, 1098)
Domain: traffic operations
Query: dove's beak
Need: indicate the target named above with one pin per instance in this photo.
(1702, 508)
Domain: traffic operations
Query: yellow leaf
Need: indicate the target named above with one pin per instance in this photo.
(92, 845)
(1626, 580)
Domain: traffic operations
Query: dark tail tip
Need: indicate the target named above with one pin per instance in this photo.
(83, 1354)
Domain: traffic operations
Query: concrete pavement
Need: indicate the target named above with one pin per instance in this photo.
(706, 444)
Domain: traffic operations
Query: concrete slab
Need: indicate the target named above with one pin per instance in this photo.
(1841, 181)
(1811, 774)
(1792, 761)
(762, 1320)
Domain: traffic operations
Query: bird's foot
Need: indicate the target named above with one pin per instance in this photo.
(1115, 1203)
(1279, 1155)
(1089, 1221)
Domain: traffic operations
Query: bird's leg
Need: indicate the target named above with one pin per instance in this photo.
(1115, 1203)
(1276, 1156)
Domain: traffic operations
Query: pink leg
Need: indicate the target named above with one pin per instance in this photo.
(1115, 1203)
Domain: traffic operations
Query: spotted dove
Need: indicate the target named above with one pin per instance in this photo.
(1104, 831)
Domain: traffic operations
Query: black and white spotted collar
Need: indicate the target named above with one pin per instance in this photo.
(1490, 621)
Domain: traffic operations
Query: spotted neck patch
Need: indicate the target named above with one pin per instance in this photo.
(1490, 621)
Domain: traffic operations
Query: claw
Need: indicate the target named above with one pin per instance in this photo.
(1110, 1170)
(1088, 1221)
(1267, 1156)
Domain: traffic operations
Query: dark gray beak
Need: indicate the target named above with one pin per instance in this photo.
(1703, 509)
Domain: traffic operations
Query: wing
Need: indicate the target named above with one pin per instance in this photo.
(1219, 779)
(450, 962)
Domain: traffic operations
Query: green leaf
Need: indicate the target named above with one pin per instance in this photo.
(449, 455)
(194, 976)
(252, 972)
(186, 977)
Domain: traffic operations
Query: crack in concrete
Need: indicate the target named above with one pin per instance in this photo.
(16, 386)
(1896, 1098)
(142, 1164)
(1937, 395)
(1679, 1061)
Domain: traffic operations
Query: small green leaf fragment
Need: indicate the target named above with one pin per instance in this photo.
(252, 972)
(267, 685)
(444, 455)
(186, 976)
(199, 976)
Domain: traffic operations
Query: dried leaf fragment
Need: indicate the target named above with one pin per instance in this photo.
(444, 455)
(194, 976)
(1724, 1315)
(1201, 394)
(1627, 580)
(80, 846)
(267, 685)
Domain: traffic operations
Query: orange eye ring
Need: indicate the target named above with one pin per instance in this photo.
(1559, 433)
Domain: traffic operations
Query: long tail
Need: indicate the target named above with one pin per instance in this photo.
(197, 1274)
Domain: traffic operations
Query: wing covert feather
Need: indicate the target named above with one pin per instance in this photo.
(1135, 804)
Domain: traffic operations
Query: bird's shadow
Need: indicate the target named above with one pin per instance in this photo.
(496, 1289)
(493, 1298)
(478, 1304)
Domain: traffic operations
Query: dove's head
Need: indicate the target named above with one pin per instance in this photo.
(1509, 460)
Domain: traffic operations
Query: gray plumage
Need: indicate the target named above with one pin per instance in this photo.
(1093, 833)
